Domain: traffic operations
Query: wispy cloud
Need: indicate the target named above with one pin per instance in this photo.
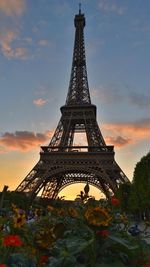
(129, 133)
(42, 90)
(10, 45)
(12, 7)
(23, 140)
(141, 24)
(61, 8)
(95, 45)
(7, 48)
(118, 141)
(107, 94)
(28, 40)
(117, 134)
(139, 99)
(40, 102)
(122, 134)
(111, 6)
(114, 93)
(5, 41)
(43, 42)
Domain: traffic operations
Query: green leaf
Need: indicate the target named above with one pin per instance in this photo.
(67, 261)
(114, 264)
(123, 242)
(76, 245)
(20, 260)
(59, 230)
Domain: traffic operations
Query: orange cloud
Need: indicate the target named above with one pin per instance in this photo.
(118, 134)
(23, 140)
(111, 6)
(6, 40)
(20, 52)
(118, 141)
(122, 134)
(43, 42)
(12, 7)
(9, 33)
(39, 102)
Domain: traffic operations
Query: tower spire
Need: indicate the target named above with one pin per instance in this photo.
(78, 92)
(79, 8)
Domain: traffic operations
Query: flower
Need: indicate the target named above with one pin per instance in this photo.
(115, 201)
(44, 238)
(37, 213)
(62, 212)
(3, 265)
(103, 233)
(97, 216)
(123, 218)
(73, 212)
(19, 220)
(12, 240)
(50, 208)
(147, 264)
(15, 209)
(44, 259)
(147, 223)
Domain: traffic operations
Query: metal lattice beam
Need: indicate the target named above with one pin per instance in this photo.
(62, 163)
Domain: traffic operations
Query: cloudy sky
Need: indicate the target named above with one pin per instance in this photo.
(36, 46)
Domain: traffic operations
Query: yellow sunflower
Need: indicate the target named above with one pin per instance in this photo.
(61, 212)
(123, 218)
(98, 216)
(73, 212)
(15, 209)
(44, 238)
(50, 208)
(147, 223)
(19, 220)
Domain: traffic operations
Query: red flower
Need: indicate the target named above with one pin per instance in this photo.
(3, 265)
(103, 233)
(147, 264)
(115, 201)
(44, 259)
(12, 240)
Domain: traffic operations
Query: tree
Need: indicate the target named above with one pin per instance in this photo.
(123, 194)
(20, 199)
(141, 185)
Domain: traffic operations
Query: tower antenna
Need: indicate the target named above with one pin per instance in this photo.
(79, 8)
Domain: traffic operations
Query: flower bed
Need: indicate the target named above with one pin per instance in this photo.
(92, 234)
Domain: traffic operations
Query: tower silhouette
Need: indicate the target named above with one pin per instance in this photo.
(63, 162)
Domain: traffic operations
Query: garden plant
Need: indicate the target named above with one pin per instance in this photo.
(85, 233)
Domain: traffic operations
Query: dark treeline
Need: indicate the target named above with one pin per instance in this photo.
(135, 196)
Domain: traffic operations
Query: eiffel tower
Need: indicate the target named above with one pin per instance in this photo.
(63, 163)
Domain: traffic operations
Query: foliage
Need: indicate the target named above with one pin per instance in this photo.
(72, 235)
(141, 182)
(135, 197)
(18, 198)
(123, 194)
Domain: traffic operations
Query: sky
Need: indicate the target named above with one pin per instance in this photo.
(36, 47)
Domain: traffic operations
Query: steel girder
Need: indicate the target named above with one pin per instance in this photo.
(56, 170)
(59, 166)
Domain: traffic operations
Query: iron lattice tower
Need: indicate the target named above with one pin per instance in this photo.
(62, 162)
